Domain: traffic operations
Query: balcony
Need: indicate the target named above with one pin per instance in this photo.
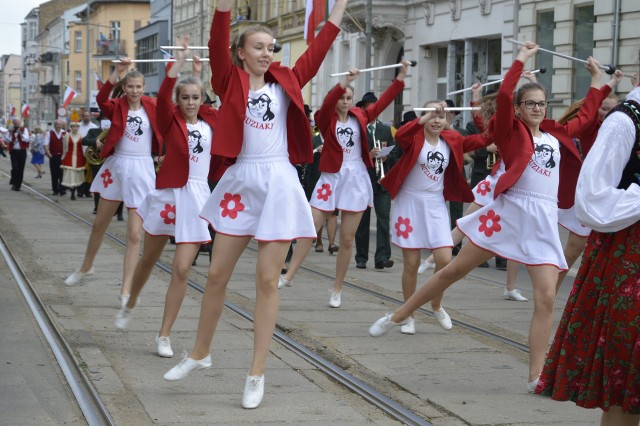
(107, 48)
(49, 89)
(50, 58)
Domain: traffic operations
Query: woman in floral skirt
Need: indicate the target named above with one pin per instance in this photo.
(595, 357)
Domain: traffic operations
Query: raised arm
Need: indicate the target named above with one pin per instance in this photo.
(219, 42)
(164, 106)
(504, 102)
(373, 111)
(102, 98)
(307, 66)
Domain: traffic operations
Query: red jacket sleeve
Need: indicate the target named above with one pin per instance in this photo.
(164, 106)
(307, 65)
(107, 106)
(219, 50)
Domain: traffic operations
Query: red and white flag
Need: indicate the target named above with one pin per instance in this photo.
(25, 109)
(69, 94)
(13, 111)
(99, 82)
(317, 12)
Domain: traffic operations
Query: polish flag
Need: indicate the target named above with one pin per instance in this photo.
(317, 12)
(25, 109)
(69, 94)
(13, 111)
(99, 82)
(166, 56)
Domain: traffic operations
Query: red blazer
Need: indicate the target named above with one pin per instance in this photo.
(174, 171)
(231, 83)
(411, 139)
(326, 119)
(515, 142)
(116, 109)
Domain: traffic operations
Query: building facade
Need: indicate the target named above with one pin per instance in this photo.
(10, 87)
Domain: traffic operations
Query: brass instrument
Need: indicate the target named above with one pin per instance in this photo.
(378, 160)
(492, 159)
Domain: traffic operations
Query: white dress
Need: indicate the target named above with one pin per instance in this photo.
(129, 175)
(176, 211)
(522, 223)
(484, 191)
(350, 188)
(260, 195)
(420, 218)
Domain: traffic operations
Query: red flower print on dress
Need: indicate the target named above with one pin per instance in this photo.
(484, 187)
(489, 223)
(169, 214)
(324, 192)
(403, 227)
(231, 205)
(106, 178)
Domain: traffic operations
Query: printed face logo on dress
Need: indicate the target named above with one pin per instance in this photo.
(543, 156)
(194, 139)
(345, 136)
(260, 108)
(435, 160)
(134, 125)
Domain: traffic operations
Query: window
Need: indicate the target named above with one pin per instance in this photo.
(441, 82)
(147, 48)
(544, 35)
(583, 37)
(115, 30)
(77, 81)
(77, 47)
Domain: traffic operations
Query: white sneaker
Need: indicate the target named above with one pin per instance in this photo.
(426, 265)
(335, 300)
(409, 327)
(123, 318)
(253, 391)
(282, 282)
(77, 276)
(164, 346)
(532, 385)
(383, 325)
(124, 298)
(514, 295)
(185, 366)
(443, 318)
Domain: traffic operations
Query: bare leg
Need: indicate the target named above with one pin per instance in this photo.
(105, 212)
(616, 417)
(512, 274)
(332, 228)
(153, 246)
(572, 250)
(455, 232)
(270, 254)
(543, 279)
(468, 258)
(131, 251)
(304, 245)
(226, 251)
(182, 260)
(411, 261)
(348, 228)
(442, 257)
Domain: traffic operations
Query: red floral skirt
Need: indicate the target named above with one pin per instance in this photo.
(594, 360)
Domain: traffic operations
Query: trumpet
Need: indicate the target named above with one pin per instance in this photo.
(378, 160)
(492, 159)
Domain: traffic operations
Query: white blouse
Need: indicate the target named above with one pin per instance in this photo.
(599, 203)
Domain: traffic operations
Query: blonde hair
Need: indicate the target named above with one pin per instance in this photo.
(241, 39)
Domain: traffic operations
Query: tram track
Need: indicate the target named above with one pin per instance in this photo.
(88, 399)
(354, 385)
